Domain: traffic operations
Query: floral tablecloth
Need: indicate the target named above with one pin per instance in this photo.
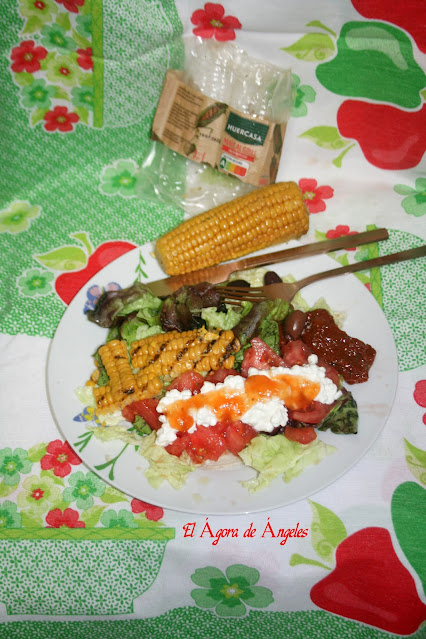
(80, 82)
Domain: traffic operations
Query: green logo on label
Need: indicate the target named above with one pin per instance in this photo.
(245, 130)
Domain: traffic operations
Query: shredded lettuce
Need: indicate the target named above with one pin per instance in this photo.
(277, 455)
(117, 431)
(254, 276)
(163, 466)
(86, 396)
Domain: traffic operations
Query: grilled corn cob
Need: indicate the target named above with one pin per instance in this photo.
(170, 354)
(165, 355)
(264, 217)
(122, 383)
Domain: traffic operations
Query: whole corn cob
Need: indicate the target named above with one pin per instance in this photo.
(266, 216)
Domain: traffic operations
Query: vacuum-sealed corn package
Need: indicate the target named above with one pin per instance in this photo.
(219, 127)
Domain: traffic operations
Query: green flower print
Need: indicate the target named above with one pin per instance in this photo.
(83, 487)
(39, 494)
(302, 94)
(9, 517)
(37, 11)
(63, 69)
(84, 26)
(82, 97)
(229, 595)
(38, 95)
(12, 463)
(415, 202)
(119, 179)
(122, 519)
(55, 37)
(17, 217)
(35, 282)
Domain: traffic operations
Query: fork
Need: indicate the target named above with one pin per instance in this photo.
(287, 290)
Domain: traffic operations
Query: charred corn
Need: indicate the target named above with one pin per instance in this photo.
(155, 358)
(122, 383)
(266, 216)
(170, 354)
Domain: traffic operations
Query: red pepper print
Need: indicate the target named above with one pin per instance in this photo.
(84, 59)
(69, 518)
(371, 585)
(410, 16)
(27, 57)
(154, 513)
(389, 138)
(60, 119)
(420, 395)
(315, 195)
(71, 5)
(341, 229)
(211, 22)
(59, 458)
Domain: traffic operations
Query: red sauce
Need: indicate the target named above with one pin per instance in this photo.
(351, 357)
(295, 391)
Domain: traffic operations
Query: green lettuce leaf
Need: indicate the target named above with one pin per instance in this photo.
(277, 455)
(135, 329)
(225, 321)
(141, 426)
(343, 418)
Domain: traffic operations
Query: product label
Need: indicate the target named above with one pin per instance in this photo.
(244, 130)
(209, 131)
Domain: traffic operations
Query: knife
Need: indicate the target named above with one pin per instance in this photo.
(221, 272)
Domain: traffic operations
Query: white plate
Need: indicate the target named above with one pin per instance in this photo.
(216, 491)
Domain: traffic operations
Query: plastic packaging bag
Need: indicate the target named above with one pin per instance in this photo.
(226, 74)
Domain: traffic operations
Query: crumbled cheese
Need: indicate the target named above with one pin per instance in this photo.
(266, 416)
(263, 416)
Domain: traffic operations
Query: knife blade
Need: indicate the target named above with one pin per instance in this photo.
(221, 272)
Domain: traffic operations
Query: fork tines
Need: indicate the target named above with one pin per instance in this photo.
(241, 293)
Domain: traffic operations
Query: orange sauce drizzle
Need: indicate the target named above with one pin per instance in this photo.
(295, 391)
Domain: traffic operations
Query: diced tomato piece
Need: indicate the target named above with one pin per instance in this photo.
(206, 443)
(179, 445)
(314, 414)
(295, 352)
(128, 413)
(147, 409)
(215, 377)
(330, 372)
(300, 435)
(238, 435)
(189, 380)
(260, 356)
(282, 337)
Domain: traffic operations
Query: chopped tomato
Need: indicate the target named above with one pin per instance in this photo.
(147, 409)
(215, 377)
(283, 338)
(189, 380)
(295, 352)
(314, 413)
(237, 436)
(179, 445)
(300, 435)
(206, 443)
(260, 356)
(330, 372)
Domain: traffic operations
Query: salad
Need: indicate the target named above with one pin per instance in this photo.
(192, 381)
